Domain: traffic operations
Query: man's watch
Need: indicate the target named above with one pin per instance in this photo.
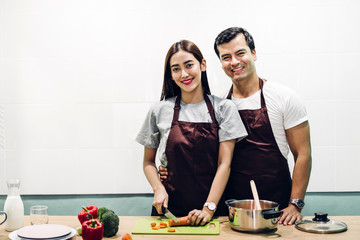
(210, 205)
(299, 203)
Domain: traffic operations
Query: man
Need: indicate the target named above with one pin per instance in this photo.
(275, 120)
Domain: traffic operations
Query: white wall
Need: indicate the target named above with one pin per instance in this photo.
(77, 78)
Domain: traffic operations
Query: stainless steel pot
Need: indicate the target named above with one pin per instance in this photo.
(243, 216)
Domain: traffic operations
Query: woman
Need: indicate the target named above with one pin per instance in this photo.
(194, 134)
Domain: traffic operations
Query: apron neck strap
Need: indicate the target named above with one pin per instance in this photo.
(210, 108)
(261, 84)
(230, 92)
(177, 108)
(208, 104)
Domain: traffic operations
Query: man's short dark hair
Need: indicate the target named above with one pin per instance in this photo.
(229, 34)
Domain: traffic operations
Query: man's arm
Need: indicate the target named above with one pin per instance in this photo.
(299, 142)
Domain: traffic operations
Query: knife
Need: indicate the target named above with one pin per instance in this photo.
(168, 214)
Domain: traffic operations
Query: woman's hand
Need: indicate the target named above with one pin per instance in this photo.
(160, 195)
(200, 217)
(161, 198)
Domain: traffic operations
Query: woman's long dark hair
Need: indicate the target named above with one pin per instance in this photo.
(170, 89)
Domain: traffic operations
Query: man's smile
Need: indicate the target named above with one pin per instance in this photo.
(237, 70)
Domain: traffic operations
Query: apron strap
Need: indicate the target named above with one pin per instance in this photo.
(230, 92)
(210, 108)
(261, 84)
(177, 108)
(208, 104)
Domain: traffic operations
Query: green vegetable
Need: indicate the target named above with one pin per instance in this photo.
(110, 221)
(78, 229)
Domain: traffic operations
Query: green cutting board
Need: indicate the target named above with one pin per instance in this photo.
(143, 227)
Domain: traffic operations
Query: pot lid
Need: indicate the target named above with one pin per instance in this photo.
(321, 224)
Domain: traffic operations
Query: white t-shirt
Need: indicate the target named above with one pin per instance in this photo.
(285, 110)
(156, 127)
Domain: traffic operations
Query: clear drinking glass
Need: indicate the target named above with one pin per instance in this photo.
(39, 215)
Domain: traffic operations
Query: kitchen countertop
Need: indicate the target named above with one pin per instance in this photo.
(286, 232)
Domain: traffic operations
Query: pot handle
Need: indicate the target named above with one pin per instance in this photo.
(270, 213)
(227, 202)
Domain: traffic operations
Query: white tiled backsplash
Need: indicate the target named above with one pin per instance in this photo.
(78, 77)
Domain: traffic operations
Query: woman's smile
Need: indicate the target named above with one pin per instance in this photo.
(187, 81)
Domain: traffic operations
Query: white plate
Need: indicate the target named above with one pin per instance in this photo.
(13, 236)
(44, 231)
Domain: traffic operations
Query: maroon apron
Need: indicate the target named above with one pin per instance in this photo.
(192, 152)
(258, 158)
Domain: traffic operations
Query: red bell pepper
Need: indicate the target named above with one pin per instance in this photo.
(87, 213)
(92, 230)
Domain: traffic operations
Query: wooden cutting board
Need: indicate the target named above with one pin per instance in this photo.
(143, 227)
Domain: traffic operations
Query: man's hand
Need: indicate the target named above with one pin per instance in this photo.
(290, 215)
(163, 173)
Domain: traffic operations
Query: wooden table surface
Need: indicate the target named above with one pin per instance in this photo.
(284, 232)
